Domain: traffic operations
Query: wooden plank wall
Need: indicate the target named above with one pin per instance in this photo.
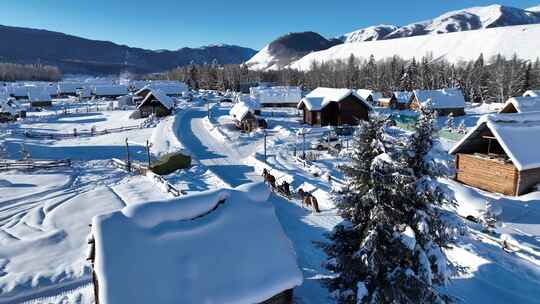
(486, 174)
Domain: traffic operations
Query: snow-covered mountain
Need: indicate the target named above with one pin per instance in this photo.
(285, 49)
(474, 18)
(377, 32)
(534, 9)
(522, 40)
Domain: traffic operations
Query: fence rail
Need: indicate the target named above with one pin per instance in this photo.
(33, 164)
(29, 133)
(143, 170)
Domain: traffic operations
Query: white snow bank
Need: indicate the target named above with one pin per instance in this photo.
(195, 250)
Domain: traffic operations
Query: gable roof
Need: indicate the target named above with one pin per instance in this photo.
(161, 97)
(402, 96)
(38, 94)
(516, 133)
(532, 93)
(219, 246)
(319, 98)
(110, 90)
(523, 104)
(441, 99)
(276, 94)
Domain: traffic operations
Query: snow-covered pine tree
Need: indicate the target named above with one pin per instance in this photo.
(450, 122)
(403, 246)
(390, 249)
(351, 203)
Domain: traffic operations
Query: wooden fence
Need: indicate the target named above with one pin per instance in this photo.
(143, 170)
(29, 133)
(33, 164)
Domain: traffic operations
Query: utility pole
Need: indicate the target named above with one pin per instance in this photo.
(128, 162)
(303, 145)
(148, 153)
(264, 145)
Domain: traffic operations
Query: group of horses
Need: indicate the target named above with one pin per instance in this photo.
(308, 200)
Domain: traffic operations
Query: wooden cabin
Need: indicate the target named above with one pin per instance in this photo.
(444, 101)
(521, 105)
(500, 154)
(370, 96)
(244, 116)
(334, 107)
(199, 248)
(157, 103)
(532, 93)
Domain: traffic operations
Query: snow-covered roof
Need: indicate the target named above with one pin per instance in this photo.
(517, 134)
(276, 94)
(319, 98)
(110, 90)
(17, 90)
(441, 99)
(70, 87)
(160, 96)
(524, 104)
(38, 94)
(7, 107)
(219, 246)
(240, 110)
(532, 93)
(402, 96)
(364, 93)
(167, 87)
(250, 101)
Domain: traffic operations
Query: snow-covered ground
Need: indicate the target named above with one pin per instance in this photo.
(44, 215)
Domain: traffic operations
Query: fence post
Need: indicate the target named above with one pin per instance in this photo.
(148, 153)
(128, 162)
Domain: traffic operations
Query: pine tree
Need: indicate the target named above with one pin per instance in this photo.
(390, 247)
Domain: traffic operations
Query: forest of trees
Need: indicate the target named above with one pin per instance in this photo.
(31, 72)
(483, 80)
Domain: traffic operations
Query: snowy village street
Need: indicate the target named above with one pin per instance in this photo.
(301, 226)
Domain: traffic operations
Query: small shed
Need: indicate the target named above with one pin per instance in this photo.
(156, 102)
(444, 101)
(401, 100)
(39, 97)
(329, 106)
(532, 93)
(501, 154)
(521, 105)
(244, 117)
(218, 246)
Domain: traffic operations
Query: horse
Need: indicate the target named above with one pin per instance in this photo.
(306, 200)
(315, 204)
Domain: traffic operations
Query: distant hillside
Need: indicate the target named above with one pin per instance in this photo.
(287, 48)
(474, 18)
(521, 40)
(79, 55)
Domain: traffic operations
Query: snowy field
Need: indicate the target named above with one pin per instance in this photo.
(44, 215)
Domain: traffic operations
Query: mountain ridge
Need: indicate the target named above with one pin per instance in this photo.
(77, 55)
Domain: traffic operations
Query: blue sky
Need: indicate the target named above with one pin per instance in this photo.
(169, 24)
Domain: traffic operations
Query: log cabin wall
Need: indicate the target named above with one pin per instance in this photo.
(527, 180)
(352, 109)
(487, 174)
